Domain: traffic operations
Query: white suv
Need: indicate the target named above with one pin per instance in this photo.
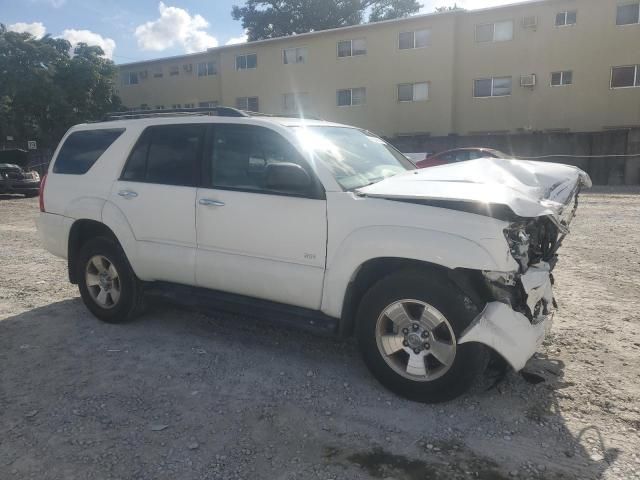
(318, 222)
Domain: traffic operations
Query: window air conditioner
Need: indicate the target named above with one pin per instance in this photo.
(528, 80)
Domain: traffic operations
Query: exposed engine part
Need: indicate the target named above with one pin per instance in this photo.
(519, 243)
(504, 288)
(533, 241)
(529, 293)
(538, 240)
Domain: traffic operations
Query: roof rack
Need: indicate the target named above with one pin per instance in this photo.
(176, 112)
(283, 115)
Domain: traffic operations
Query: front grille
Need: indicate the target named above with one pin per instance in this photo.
(12, 174)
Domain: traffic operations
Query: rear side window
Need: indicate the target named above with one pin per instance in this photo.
(166, 154)
(82, 149)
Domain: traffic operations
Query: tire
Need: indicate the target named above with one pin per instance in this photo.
(118, 295)
(390, 348)
(31, 194)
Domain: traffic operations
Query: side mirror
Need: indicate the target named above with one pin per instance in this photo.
(286, 176)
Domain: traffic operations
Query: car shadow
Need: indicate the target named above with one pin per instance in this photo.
(81, 397)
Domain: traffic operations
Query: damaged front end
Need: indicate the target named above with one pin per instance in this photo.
(520, 304)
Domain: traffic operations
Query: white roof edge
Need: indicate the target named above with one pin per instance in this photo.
(164, 120)
(338, 29)
(164, 59)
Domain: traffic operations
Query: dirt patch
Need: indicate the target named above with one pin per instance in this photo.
(183, 395)
(381, 464)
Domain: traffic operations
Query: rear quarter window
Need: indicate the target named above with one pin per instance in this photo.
(82, 149)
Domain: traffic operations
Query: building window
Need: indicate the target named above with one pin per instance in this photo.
(492, 87)
(174, 70)
(249, 104)
(625, 77)
(296, 102)
(157, 72)
(247, 61)
(351, 48)
(159, 107)
(208, 104)
(176, 106)
(294, 55)
(130, 78)
(189, 105)
(352, 96)
(494, 32)
(566, 18)
(417, 39)
(206, 68)
(413, 92)
(628, 14)
(559, 79)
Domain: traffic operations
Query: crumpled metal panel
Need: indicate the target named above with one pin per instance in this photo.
(509, 333)
(529, 189)
(537, 284)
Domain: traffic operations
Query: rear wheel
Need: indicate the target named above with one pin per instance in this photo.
(108, 286)
(408, 325)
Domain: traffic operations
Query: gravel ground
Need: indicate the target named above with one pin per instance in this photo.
(182, 395)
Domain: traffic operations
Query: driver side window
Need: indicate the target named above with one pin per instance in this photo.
(240, 157)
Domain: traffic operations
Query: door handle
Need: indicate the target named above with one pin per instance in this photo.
(127, 194)
(210, 203)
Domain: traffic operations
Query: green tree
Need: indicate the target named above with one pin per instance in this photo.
(44, 89)
(276, 18)
(448, 8)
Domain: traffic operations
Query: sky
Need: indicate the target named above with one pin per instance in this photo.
(132, 30)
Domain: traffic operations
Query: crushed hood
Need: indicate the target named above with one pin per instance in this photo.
(528, 189)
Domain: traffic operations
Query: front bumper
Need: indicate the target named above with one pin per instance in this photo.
(19, 186)
(510, 333)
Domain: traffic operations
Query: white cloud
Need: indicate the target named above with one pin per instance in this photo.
(36, 29)
(175, 26)
(56, 3)
(75, 37)
(235, 40)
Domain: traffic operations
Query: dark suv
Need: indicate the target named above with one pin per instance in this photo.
(14, 178)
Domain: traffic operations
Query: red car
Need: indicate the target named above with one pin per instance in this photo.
(459, 155)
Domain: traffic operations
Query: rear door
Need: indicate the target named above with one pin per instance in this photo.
(157, 193)
(253, 240)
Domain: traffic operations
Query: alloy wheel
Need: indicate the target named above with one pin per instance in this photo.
(103, 281)
(416, 340)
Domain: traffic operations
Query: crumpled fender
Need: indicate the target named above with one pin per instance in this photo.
(536, 285)
(509, 333)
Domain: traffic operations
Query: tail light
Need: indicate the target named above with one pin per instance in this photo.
(42, 182)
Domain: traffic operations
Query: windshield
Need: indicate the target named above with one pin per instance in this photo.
(355, 157)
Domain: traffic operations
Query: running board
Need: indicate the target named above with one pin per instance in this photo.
(205, 301)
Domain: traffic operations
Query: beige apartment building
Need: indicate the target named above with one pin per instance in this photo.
(549, 65)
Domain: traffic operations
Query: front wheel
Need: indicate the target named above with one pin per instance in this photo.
(408, 325)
